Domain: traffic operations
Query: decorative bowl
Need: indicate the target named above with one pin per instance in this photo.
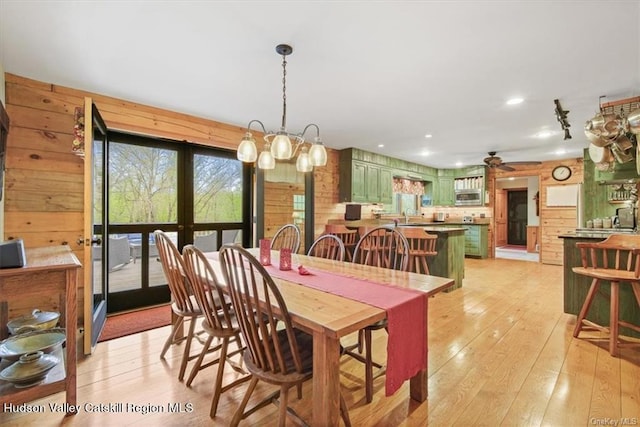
(46, 341)
(37, 320)
(30, 369)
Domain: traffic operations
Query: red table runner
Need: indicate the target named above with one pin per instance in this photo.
(406, 316)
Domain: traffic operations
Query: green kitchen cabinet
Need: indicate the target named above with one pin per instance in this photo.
(386, 185)
(362, 182)
(358, 182)
(475, 240)
(445, 195)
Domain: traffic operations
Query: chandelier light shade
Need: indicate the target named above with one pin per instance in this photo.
(247, 151)
(303, 164)
(278, 145)
(266, 160)
(318, 154)
(281, 146)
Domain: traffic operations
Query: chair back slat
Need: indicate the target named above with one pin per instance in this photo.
(207, 289)
(288, 236)
(615, 253)
(419, 240)
(257, 303)
(383, 247)
(174, 271)
(328, 246)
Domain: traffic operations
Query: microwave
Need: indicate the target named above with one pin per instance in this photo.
(468, 197)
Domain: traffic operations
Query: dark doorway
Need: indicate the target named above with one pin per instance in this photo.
(517, 207)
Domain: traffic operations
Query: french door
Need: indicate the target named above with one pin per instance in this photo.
(196, 194)
(95, 286)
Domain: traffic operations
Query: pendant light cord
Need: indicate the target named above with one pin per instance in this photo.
(284, 92)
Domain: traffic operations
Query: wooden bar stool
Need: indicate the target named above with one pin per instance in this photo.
(349, 237)
(421, 246)
(616, 260)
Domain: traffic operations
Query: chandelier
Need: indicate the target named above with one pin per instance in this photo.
(278, 145)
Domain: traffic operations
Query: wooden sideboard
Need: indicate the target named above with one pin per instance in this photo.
(49, 271)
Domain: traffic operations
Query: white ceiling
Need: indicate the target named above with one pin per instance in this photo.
(367, 73)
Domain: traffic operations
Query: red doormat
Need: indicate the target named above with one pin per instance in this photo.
(121, 325)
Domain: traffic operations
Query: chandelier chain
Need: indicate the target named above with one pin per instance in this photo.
(284, 92)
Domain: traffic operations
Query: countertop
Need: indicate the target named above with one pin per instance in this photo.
(593, 235)
(417, 222)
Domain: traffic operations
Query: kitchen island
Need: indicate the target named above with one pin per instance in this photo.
(576, 287)
(450, 246)
(450, 259)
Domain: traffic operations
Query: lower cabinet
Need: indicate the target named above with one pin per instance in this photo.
(475, 240)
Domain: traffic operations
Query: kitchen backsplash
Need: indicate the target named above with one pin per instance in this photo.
(370, 211)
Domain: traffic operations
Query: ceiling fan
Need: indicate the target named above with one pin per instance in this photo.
(494, 161)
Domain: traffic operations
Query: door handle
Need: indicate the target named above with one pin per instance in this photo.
(89, 242)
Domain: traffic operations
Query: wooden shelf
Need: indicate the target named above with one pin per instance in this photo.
(53, 383)
(52, 271)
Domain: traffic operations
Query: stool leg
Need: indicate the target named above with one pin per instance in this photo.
(613, 320)
(425, 267)
(636, 290)
(595, 284)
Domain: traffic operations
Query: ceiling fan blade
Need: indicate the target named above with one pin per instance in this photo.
(504, 167)
(523, 163)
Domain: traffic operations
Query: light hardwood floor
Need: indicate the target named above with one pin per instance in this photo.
(501, 352)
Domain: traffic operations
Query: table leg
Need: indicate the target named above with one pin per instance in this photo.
(70, 323)
(326, 380)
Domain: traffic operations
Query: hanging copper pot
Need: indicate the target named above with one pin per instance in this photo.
(633, 121)
(621, 149)
(603, 129)
(602, 157)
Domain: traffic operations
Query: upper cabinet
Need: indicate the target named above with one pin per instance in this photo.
(445, 195)
(362, 182)
(367, 177)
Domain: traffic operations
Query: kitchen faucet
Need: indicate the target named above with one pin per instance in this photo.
(406, 214)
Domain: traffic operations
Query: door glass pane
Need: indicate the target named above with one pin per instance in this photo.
(99, 285)
(142, 184)
(217, 189)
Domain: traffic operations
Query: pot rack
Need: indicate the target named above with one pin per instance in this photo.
(621, 107)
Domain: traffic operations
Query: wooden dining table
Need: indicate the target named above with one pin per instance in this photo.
(329, 317)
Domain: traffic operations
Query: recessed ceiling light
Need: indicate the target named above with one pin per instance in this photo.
(428, 135)
(544, 134)
(459, 163)
(425, 153)
(515, 101)
(561, 151)
(380, 145)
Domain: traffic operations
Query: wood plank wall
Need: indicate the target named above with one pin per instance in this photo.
(554, 221)
(44, 179)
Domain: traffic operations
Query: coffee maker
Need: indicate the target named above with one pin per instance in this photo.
(626, 217)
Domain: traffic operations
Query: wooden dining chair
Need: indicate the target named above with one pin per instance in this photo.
(615, 260)
(328, 246)
(184, 305)
(383, 247)
(421, 246)
(219, 322)
(380, 247)
(349, 237)
(279, 355)
(288, 236)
